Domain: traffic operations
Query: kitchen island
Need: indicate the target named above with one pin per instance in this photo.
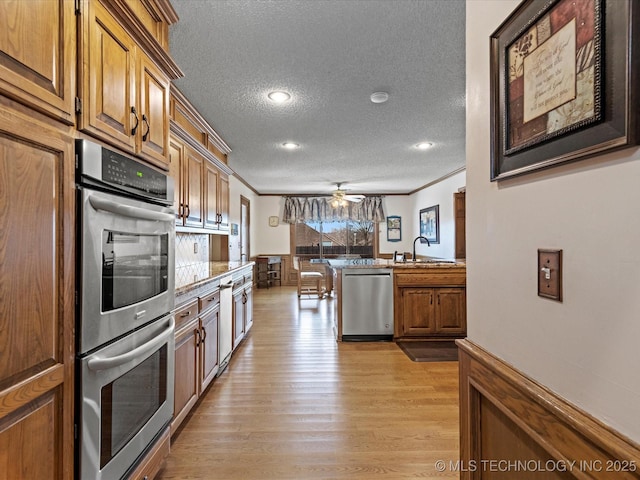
(429, 296)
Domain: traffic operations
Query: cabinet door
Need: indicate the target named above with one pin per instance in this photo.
(38, 51)
(211, 180)
(418, 311)
(153, 135)
(109, 82)
(238, 317)
(248, 308)
(37, 290)
(223, 202)
(176, 171)
(209, 346)
(187, 373)
(451, 317)
(460, 229)
(193, 194)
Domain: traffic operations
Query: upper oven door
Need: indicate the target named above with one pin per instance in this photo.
(127, 267)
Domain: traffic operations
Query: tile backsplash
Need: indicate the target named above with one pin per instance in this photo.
(192, 258)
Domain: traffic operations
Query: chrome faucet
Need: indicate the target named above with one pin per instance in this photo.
(422, 240)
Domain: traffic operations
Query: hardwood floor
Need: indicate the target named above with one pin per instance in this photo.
(295, 404)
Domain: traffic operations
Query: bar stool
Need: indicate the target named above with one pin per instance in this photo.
(309, 281)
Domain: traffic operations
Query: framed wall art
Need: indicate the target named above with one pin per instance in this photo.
(430, 223)
(563, 83)
(394, 228)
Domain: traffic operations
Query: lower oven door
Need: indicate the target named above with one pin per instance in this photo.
(126, 399)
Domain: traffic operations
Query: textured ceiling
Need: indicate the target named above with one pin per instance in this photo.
(331, 55)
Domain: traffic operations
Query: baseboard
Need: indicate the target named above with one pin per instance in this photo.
(513, 427)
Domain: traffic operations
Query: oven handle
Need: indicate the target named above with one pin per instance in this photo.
(128, 211)
(98, 363)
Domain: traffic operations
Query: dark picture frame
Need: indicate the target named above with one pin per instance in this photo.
(430, 223)
(394, 228)
(564, 83)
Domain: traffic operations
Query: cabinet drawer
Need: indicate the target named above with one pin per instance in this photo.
(430, 279)
(210, 300)
(186, 313)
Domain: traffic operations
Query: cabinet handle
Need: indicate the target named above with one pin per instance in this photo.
(186, 314)
(146, 135)
(180, 210)
(438, 299)
(198, 337)
(135, 127)
(188, 210)
(244, 298)
(204, 334)
(431, 299)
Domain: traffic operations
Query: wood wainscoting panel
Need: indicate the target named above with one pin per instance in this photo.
(513, 427)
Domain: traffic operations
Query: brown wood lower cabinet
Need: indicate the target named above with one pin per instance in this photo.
(187, 360)
(242, 307)
(430, 304)
(196, 352)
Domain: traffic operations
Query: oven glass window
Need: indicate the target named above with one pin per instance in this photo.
(130, 401)
(134, 268)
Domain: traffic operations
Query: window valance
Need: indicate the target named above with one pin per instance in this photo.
(317, 209)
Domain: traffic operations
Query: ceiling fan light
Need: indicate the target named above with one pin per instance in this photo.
(424, 145)
(290, 145)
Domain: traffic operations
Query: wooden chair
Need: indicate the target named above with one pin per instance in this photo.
(309, 281)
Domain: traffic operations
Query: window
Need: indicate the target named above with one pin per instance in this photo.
(332, 239)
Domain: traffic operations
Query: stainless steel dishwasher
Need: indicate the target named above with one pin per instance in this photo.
(367, 304)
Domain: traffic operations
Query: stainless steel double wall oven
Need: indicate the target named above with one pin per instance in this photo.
(125, 331)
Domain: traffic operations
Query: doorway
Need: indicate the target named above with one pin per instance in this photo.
(245, 222)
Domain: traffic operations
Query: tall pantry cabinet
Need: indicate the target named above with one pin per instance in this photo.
(37, 89)
(53, 89)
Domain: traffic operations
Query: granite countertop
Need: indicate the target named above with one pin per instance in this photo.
(422, 263)
(215, 270)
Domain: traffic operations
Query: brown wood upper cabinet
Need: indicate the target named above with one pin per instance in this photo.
(198, 166)
(216, 198)
(38, 56)
(124, 94)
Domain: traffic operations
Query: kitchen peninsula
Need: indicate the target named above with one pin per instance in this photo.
(429, 296)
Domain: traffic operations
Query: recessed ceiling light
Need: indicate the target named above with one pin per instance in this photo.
(279, 97)
(379, 97)
(290, 145)
(424, 145)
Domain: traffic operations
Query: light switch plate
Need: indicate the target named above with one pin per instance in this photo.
(550, 274)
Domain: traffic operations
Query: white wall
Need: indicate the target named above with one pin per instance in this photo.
(439, 194)
(275, 240)
(402, 206)
(585, 348)
(270, 240)
(237, 188)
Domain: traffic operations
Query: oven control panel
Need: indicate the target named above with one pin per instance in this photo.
(101, 167)
(120, 170)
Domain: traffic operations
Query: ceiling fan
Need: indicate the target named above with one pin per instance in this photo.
(340, 197)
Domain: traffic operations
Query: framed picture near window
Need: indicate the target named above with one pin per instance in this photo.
(562, 83)
(430, 223)
(394, 228)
